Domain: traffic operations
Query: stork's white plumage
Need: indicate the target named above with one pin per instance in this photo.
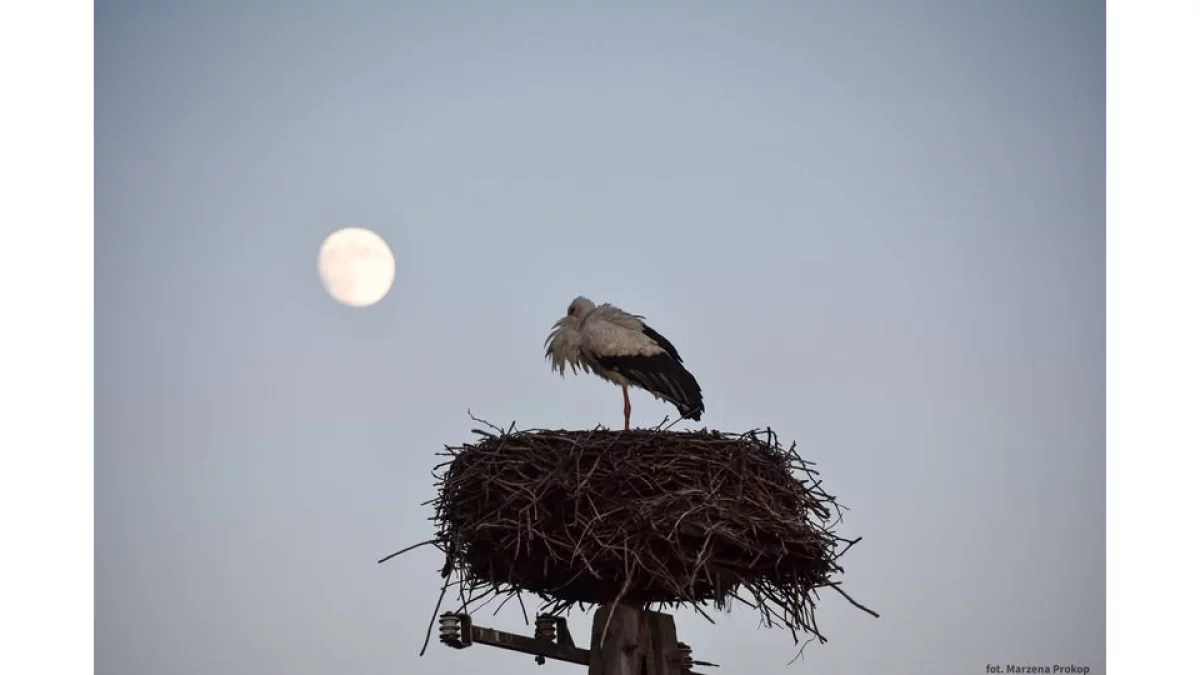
(621, 348)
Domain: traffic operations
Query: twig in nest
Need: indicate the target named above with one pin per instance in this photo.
(407, 549)
(436, 609)
(838, 587)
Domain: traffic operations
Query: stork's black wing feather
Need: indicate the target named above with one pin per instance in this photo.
(663, 375)
(661, 341)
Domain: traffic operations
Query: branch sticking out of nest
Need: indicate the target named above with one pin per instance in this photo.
(647, 517)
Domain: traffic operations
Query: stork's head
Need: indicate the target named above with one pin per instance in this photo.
(563, 343)
(580, 307)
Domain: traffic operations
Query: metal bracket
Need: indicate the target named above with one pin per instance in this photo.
(551, 640)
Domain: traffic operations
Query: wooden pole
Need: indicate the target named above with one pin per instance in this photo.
(615, 641)
(662, 657)
(631, 641)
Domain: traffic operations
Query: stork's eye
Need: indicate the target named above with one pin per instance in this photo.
(571, 310)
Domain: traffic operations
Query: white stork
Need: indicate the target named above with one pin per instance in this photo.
(622, 349)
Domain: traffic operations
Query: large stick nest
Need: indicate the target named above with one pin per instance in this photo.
(643, 516)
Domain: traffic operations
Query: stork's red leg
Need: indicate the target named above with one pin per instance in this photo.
(625, 391)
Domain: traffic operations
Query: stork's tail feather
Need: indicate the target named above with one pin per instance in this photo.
(691, 413)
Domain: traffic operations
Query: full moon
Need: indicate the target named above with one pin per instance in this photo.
(356, 267)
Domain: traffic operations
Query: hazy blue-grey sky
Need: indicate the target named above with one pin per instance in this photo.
(876, 226)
